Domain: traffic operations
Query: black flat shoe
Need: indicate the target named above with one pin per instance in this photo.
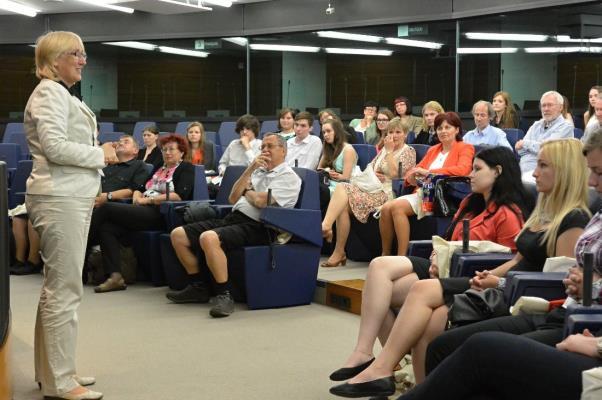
(343, 374)
(375, 388)
(26, 268)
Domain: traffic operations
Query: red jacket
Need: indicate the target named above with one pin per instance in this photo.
(457, 163)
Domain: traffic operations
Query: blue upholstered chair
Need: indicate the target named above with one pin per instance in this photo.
(13, 127)
(365, 154)
(18, 182)
(227, 133)
(513, 136)
(268, 126)
(139, 129)
(181, 127)
(106, 127)
(105, 137)
(21, 140)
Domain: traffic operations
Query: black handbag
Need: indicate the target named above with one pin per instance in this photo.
(449, 193)
(477, 305)
(196, 211)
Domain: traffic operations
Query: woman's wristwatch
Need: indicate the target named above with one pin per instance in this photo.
(110, 196)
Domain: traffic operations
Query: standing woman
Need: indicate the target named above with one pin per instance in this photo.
(60, 131)
(151, 153)
(201, 151)
(505, 114)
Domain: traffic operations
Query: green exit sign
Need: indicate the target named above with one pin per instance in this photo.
(203, 44)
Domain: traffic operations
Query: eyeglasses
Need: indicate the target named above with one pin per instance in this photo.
(169, 149)
(382, 120)
(269, 146)
(79, 54)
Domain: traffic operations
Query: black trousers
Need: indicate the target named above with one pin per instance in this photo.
(546, 329)
(115, 223)
(498, 365)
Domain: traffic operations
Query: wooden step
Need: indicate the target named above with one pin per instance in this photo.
(345, 295)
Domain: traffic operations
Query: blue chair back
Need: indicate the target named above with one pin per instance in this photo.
(230, 177)
(181, 127)
(227, 133)
(411, 137)
(359, 138)
(309, 195)
(421, 150)
(109, 137)
(578, 133)
(106, 127)
(200, 191)
(513, 135)
(219, 152)
(139, 128)
(10, 153)
(21, 140)
(365, 154)
(13, 127)
(18, 183)
(149, 168)
(211, 136)
(268, 126)
(316, 127)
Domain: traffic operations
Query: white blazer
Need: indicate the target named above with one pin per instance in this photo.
(61, 133)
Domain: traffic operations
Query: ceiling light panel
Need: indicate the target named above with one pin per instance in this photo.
(486, 50)
(133, 45)
(365, 52)
(241, 41)
(182, 52)
(198, 6)
(18, 8)
(574, 49)
(414, 43)
(278, 47)
(518, 37)
(349, 36)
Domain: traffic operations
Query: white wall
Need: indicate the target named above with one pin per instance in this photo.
(306, 73)
(99, 84)
(528, 76)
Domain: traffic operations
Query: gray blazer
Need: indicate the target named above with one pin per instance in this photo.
(61, 133)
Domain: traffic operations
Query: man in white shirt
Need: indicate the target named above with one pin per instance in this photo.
(551, 126)
(304, 149)
(484, 134)
(242, 227)
(595, 122)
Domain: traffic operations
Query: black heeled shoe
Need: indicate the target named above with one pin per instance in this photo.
(343, 374)
(375, 388)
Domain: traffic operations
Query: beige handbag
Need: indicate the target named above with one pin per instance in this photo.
(367, 181)
(592, 384)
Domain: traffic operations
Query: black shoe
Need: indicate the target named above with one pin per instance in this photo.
(375, 388)
(223, 305)
(26, 268)
(193, 293)
(342, 374)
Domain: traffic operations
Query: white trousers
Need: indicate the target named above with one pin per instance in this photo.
(63, 224)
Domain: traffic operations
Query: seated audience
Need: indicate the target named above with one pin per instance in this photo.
(116, 221)
(212, 238)
(338, 157)
(496, 209)
(596, 121)
(505, 114)
(305, 149)
(367, 125)
(552, 229)
(403, 109)
(547, 329)
(244, 150)
(325, 114)
(286, 123)
(383, 118)
(428, 134)
(349, 198)
(566, 111)
(551, 126)
(593, 93)
(151, 153)
(450, 157)
(484, 134)
(200, 150)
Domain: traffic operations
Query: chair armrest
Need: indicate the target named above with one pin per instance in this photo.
(547, 285)
(172, 218)
(304, 224)
(468, 264)
(578, 309)
(223, 209)
(420, 248)
(576, 323)
(397, 186)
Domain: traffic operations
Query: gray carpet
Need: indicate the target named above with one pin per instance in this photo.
(140, 346)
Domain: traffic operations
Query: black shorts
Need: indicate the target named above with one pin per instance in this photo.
(236, 230)
(420, 266)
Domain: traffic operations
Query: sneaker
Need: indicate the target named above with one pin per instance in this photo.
(193, 293)
(223, 306)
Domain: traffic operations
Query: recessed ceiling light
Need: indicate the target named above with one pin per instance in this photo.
(284, 47)
(365, 52)
(414, 43)
(518, 37)
(349, 36)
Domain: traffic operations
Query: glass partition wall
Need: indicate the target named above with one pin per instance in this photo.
(453, 62)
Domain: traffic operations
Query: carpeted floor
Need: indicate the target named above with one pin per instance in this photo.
(140, 346)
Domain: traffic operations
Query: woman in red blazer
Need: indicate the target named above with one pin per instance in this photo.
(450, 157)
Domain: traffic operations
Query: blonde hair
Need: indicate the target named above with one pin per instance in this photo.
(569, 191)
(433, 105)
(397, 123)
(188, 156)
(51, 46)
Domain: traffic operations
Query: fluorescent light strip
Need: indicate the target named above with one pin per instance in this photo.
(278, 47)
(349, 36)
(182, 52)
(106, 5)
(568, 39)
(221, 3)
(179, 3)
(519, 37)
(133, 45)
(486, 50)
(241, 41)
(414, 43)
(18, 8)
(365, 52)
(576, 49)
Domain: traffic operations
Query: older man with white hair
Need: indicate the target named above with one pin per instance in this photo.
(551, 126)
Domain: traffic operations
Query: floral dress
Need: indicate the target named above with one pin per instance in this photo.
(363, 203)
